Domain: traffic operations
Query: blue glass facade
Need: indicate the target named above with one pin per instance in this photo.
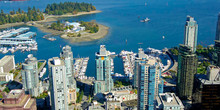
(104, 81)
(150, 85)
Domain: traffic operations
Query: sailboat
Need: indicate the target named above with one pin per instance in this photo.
(145, 3)
(163, 37)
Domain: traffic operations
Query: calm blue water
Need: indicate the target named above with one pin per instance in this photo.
(167, 19)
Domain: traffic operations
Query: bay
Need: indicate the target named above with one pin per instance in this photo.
(123, 17)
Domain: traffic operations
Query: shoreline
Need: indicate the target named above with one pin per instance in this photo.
(48, 18)
(103, 30)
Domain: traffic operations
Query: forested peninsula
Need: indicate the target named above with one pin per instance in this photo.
(34, 14)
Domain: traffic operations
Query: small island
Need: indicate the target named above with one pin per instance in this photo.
(42, 20)
(84, 31)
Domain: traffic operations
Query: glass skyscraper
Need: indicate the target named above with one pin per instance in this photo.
(217, 44)
(187, 60)
(104, 81)
(150, 83)
(30, 78)
(217, 37)
(138, 58)
(67, 56)
(187, 67)
(191, 32)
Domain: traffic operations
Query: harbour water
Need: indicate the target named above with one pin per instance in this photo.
(167, 18)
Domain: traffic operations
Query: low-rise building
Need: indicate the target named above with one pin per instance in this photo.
(113, 105)
(7, 63)
(168, 101)
(17, 100)
(72, 95)
(121, 95)
(95, 106)
(76, 27)
(5, 77)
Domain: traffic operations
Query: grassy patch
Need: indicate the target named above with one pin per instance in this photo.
(39, 64)
(42, 95)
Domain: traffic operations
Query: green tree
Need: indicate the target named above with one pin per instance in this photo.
(79, 35)
(6, 90)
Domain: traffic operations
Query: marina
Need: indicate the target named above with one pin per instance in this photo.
(80, 67)
(128, 58)
(13, 32)
(165, 60)
(17, 39)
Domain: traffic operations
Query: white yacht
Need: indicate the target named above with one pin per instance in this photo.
(145, 20)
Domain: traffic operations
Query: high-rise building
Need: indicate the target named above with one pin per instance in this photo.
(191, 31)
(67, 56)
(17, 100)
(217, 52)
(168, 101)
(207, 90)
(104, 81)
(187, 67)
(58, 86)
(150, 83)
(217, 37)
(138, 58)
(30, 77)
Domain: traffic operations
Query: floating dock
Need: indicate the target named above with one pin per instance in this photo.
(27, 35)
(17, 39)
(14, 32)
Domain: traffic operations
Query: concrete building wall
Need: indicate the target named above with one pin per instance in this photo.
(58, 86)
(72, 96)
(7, 63)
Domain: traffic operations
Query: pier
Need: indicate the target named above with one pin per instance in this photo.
(128, 62)
(17, 39)
(13, 32)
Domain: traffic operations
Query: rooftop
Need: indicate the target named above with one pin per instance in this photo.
(14, 93)
(208, 82)
(5, 59)
(25, 102)
(104, 52)
(55, 61)
(169, 99)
